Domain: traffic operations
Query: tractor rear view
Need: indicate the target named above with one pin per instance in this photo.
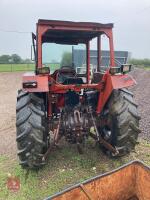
(58, 101)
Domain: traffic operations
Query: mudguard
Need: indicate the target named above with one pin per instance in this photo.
(35, 83)
(113, 82)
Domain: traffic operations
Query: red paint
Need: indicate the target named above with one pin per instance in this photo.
(13, 184)
(42, 82)
(60, 88)
(98, 52)
(88, 61)
(112, 54)
(49, 106)
(111, 83)
(44, 25)
(48, 83)
(61, 101)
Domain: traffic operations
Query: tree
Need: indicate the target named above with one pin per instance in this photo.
(54, 61)
(4, 59)
(140, 62)
(27, 61)
(16, 58)
(66, 59)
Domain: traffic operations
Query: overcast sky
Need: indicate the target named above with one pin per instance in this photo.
(131, 20)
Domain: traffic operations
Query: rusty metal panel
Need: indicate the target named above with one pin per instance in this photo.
(131, 181)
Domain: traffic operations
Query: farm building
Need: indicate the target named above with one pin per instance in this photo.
(79, 57)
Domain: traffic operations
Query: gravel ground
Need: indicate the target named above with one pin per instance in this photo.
(11, 82)
(142, 96)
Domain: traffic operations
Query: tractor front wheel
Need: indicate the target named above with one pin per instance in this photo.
(31, 129)
(119, 123)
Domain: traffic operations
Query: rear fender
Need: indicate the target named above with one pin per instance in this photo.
(113, 82)
(40, 81)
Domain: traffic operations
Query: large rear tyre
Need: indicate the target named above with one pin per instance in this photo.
(119, 123)
(32, 132)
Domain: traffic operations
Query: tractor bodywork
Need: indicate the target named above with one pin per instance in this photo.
(81, 101)
(74, 33)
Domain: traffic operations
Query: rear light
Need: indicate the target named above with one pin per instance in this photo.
(30, 84)
(125, 68)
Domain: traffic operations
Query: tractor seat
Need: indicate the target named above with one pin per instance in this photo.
(73, 80)
(97, 77)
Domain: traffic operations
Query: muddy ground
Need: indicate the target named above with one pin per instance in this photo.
(11, 82)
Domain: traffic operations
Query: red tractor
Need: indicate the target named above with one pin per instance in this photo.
(56, 101)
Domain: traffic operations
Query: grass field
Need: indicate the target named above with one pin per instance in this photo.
(31, 67)
(24, 67)
(147, 68)
(65, 167)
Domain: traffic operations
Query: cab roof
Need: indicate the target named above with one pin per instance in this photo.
(70, 32)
